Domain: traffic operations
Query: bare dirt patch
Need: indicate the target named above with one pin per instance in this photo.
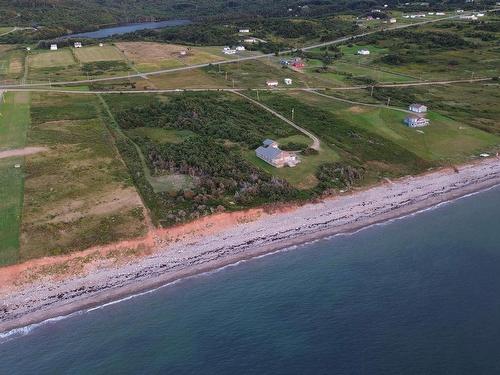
(16, 65)
(357, 109)
(144, 52)
(21, 152)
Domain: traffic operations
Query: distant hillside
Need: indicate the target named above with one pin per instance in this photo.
(77, 15)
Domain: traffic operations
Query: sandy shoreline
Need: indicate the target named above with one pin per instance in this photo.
(202, 252)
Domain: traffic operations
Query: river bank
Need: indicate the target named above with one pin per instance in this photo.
(181, 252)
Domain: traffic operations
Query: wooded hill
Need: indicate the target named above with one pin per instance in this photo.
(78, 15)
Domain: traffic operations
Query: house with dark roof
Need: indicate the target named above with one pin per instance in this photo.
(272, 154)
(414, 121)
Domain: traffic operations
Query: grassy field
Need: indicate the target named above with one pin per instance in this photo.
(150, 56)
(254, 74)
(78, 194)
(51, 59)
(11, 63)
(160, 135)
(14, 123)
(302, 176)
(444, 140)
(96, 53)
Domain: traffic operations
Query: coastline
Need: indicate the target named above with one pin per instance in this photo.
(39, 301)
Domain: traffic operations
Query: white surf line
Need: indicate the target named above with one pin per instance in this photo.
(24, 331)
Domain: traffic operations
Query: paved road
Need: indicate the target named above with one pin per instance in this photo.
(142, 75)
(316, 143)
(152, 91)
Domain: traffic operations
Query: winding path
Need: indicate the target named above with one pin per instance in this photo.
(316, 143)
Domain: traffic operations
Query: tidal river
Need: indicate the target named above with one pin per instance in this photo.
(124, 29)
(419, 295)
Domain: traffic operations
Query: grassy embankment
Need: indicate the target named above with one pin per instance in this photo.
(14, 123)
(78, 194)
(376, 138)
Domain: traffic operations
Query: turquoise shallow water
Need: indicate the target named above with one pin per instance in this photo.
(419, 295)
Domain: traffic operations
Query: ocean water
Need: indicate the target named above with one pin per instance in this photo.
(419, 295)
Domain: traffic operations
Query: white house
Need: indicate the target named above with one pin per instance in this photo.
(417, 108)
(440, 13)
(101, 45)
(229, 51)
(183, 53)
(392, 20)
(416, 121)
(272, 83)
(250, 40)
(288, 81)
(226, 48)
(363, 52)
(78, 44)
(480, 14)
(28, 48)
(53, 47)
(240, 48)
(271, 153)
(244, 31)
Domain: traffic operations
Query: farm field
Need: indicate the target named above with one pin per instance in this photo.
(150, 56)
(78, 194)
(254, 74)
(96, 53)
(11, 63)
(51, 59)
(14, 123)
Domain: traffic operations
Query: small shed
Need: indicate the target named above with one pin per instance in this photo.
(288, 81)
(53, 47)
(78, 44)
(363, 52)
(271, 83)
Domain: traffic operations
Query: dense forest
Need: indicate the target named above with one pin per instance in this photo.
(216, 116)
(221, 128)
(75, 15)
(279, 33)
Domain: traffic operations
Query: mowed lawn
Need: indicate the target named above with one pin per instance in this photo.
(443, 140)
(96, 53)
(14, 123)
(79, 193)
(51, 59)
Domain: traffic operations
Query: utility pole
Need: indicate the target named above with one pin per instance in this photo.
(293, 113)
(388, 101)
(371, 93)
